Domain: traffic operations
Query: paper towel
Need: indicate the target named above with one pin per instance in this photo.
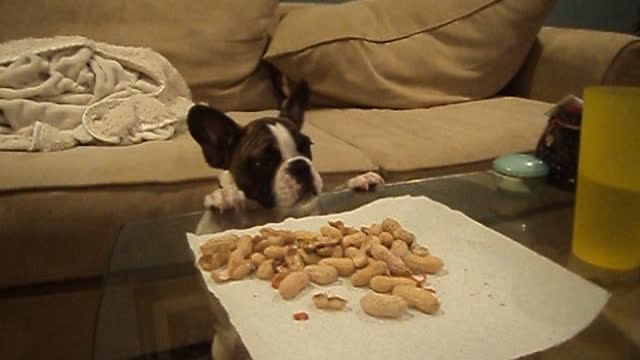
(499, 300)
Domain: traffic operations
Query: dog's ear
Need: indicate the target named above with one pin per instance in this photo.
(296, 104)
(215, 132)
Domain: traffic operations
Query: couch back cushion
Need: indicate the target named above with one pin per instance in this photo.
(216, 45)
(573, 59)
(406, 53)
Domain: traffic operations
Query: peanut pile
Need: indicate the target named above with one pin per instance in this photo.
(384, 257)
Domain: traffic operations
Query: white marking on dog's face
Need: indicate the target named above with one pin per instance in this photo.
(286, 189)
(286, 144)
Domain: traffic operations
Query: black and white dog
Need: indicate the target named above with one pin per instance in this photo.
(267, 162)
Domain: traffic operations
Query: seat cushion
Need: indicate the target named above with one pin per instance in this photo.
(154, 162)
(216, 47)
(406, 53)
(417, 141)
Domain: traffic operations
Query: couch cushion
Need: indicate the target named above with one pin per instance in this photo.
(406, 53)
(216, 47)
(565, 61)
(422, 139)
(155, 162)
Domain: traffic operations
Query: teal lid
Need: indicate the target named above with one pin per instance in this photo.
(520, 165)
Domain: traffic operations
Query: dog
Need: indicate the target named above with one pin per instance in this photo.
(267, 163)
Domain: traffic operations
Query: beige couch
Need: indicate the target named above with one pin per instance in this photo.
(61, 211)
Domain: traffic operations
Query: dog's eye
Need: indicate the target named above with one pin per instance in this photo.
(307, 141)
(304, 144)
(254, 163)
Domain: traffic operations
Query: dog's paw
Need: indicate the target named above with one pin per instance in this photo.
(366, 182)
(224, 199)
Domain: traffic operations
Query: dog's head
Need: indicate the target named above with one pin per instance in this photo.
(269, 159)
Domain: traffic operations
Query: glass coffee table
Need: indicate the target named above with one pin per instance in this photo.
(155, 304)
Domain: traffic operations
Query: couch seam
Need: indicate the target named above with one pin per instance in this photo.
(375, 164)
(615, 58)
(396, 38)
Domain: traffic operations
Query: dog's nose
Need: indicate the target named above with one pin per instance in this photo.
(299, 169)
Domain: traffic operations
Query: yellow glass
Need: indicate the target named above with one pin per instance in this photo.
(606, 230)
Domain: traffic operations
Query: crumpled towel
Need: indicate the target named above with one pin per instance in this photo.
(61, 92)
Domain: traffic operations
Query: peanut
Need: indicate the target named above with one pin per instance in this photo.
(256, 239)
(345, 266)
(418, 298)
(350, 251)
(363, 276)
(293, 284)
(386, 238)
(235, 259)
(241, 270)
(306, 236)
(322, 274)
(224, 243)
(288, 236)
(373, 240)
(359, 257)
(257, 259)
(270, 241)
(390, 225)
(420, 251)
(205, 262)
(323, 301)
(294, 260)
(276, 252)
(354, 239)
(245, 246)
(385, 284)
(325, 251)
(310, 258)
(268, 232)
(374, 229)
(368, 242)
(220, 277)
(277, 278)
(210, 262)
(400, 248)
(346, 230)
(395, 264)
(238, 265)
(381, 305)
(337, 252)
(331, 232)
(424, 264)
(265, 271)
(404, 235)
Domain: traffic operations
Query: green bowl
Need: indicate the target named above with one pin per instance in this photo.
(519, 173)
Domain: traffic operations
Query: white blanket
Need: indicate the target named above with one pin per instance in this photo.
(57, 93)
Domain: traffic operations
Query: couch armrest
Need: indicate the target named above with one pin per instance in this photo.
(563, 61)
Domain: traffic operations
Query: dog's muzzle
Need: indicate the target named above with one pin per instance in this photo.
(301, 172)
(296, 181)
